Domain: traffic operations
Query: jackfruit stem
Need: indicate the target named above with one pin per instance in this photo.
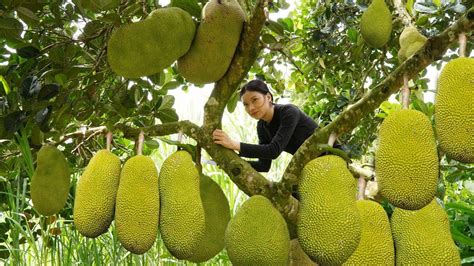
(141, 138)
(109, 140)
(462, 44)
(361, 185)
(332, 139)
(405, 92)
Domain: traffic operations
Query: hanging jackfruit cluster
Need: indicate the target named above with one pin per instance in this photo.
(148, 46)
(376, 24)
(454, 109)
(168, 34)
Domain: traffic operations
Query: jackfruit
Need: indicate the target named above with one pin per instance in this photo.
(410, 42)
(376, 24)
(454, 110)
(99, 5)
(217, 216)
(94, 202)
(215, 43)
(147, 47)
(376, 243)
(406, 160)
(50, 182)
(182, 215)
(423, 237)
(257, 234)
(329, 227)
(138, 205)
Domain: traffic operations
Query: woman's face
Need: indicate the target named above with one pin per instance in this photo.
(256, 104)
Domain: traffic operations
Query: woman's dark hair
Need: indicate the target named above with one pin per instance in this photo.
(256, 85)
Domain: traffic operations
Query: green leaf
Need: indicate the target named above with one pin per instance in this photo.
(166, 102)
(171, 85)
(28, 52)
(287, 24)
(190, 6)
(28, 16)
(353, 35)
(409, 6)
(167, 115)
(268, 39)
(461, 238)
(48, 91)
(275, 27)
(6, 88)
(460, 207)
(232, 103)
(10, 28)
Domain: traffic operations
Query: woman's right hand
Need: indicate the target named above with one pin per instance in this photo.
(220, 137)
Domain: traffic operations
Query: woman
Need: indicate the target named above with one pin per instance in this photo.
(280, 127)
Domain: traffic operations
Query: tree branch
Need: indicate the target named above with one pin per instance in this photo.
(402, 12)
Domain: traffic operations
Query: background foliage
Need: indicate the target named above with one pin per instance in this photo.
(54, 82)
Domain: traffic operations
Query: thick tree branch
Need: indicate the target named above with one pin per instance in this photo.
(185, 126)
(402, 12)
(245, 55)
(433, 50)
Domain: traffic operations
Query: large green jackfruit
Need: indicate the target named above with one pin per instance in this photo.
(94, 202)
(214, 45)
(217, 216)
(410, 42)
(376, 243)
(257, 234)
(454, 110)
(376, 24)
(406, 160)
(138, 205)
(50, 182)
(147, 47)
(423, 237)
(182, 215)
(329, 226)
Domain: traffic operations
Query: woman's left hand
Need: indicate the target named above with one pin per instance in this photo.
(220, 137)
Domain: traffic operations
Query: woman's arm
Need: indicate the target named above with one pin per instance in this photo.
(220, 137)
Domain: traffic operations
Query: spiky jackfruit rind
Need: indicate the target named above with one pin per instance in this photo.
(50, 182)
(423, 237)
(257, 234)
(329, 227)
(96, 190)
(406, 160)
(182, 214)
(411, 41)
(454, 110)
(376, 244)
(217, 216)
(376, 24)
(215, 43)
(147, 47)
(137, 205)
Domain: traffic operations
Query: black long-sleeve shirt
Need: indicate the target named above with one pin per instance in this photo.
(289, 128)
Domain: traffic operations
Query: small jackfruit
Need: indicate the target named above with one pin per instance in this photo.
(137, 205)
(376, 24)
(454, 109)
(99, 5)
(423, 237)
(182, 215)
(376, 243)
(94, 202)
(406, 160)
(147, 47)
(410, 42)
(329, 227)
(50, 182)
(257, 234)
(215, 43)
(217, 216)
